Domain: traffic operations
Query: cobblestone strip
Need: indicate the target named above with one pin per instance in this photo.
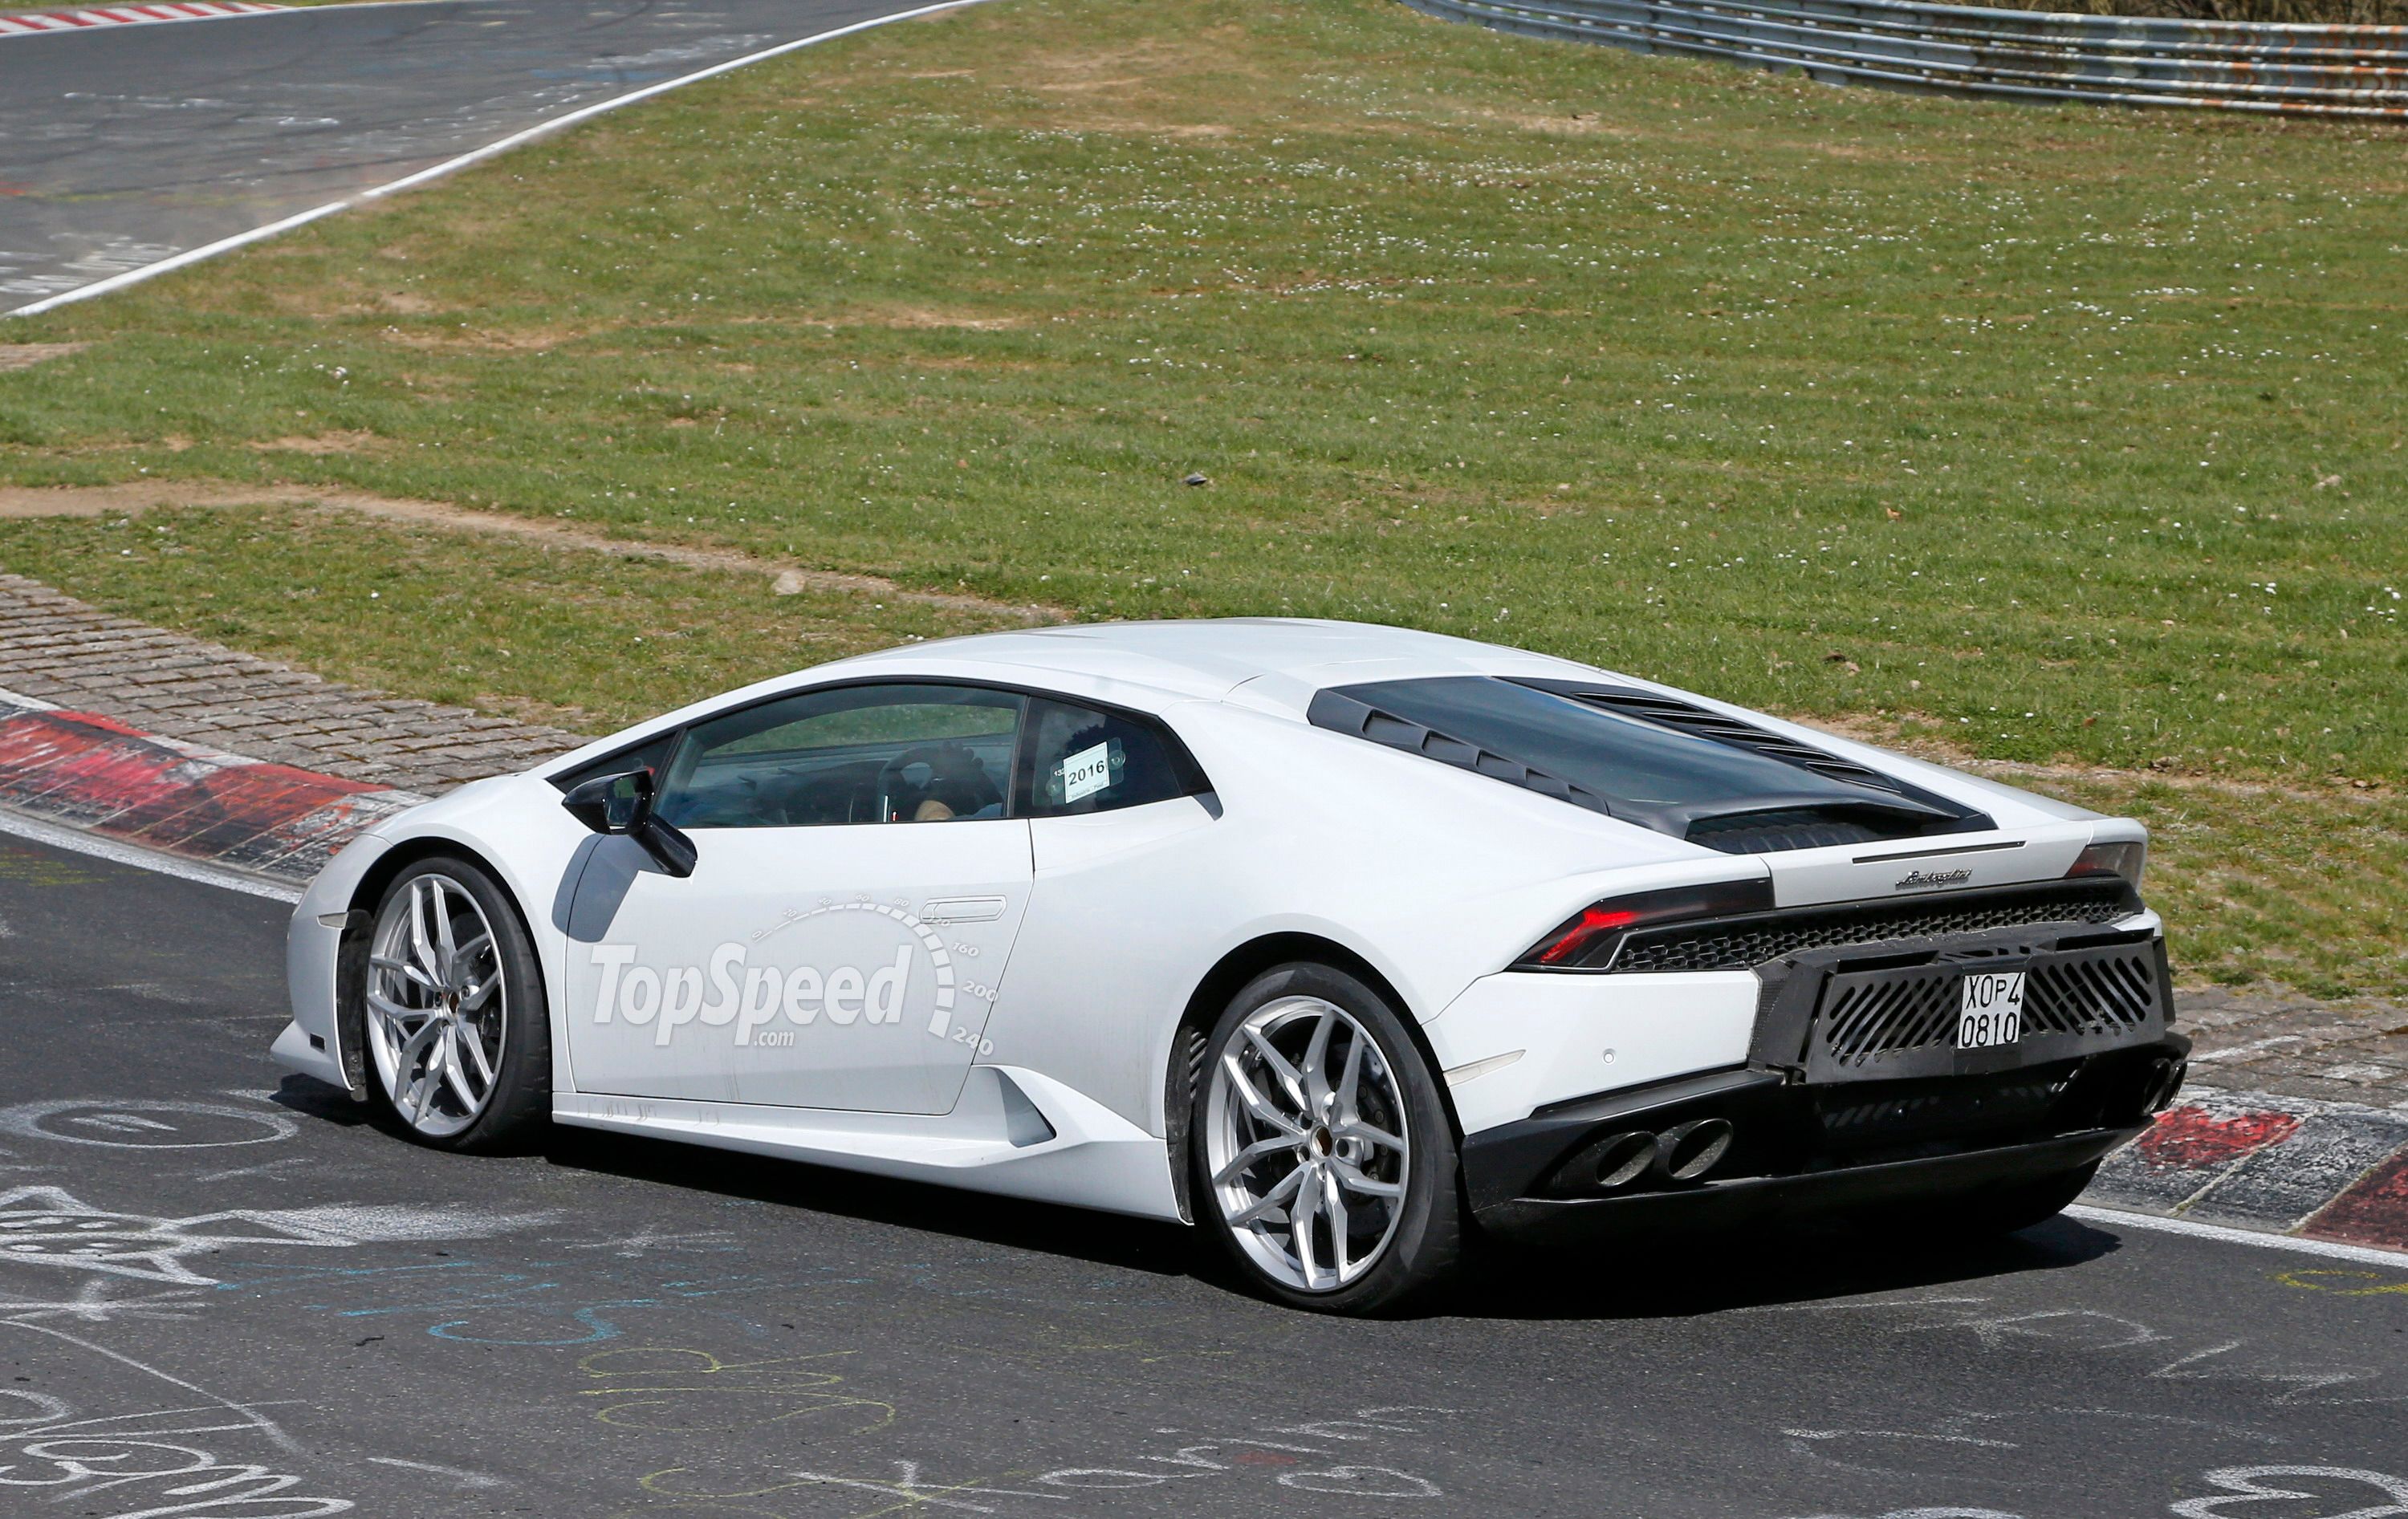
(2291, 1046)
(2280, 1165)
(60, 651)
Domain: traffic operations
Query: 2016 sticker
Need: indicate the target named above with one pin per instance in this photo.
(1086, 772)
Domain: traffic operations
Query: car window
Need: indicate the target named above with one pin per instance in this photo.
(1082, 760)
(1646, 772)
(1616, 757)
(893, 753)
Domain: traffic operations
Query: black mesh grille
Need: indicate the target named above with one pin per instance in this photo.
(1894, 1111)
(1766, 833)
(1903, 1012)
(2102, 994)
(2087, 992)
(1743, 943)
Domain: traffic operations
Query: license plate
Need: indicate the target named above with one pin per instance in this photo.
(1991, 1011)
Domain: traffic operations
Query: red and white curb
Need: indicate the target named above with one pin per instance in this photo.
(78, 20)
(2335, 1173)
(97, 776)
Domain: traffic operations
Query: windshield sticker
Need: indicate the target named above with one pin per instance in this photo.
(1086, 772)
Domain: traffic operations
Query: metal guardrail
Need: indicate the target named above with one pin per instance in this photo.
(2269, 67)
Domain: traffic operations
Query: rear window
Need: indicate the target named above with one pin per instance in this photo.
(1082, 760)
(1640, 771)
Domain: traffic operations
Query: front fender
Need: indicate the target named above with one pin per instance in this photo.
(313, 1042)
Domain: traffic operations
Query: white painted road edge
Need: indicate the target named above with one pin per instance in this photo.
(478, 155)
(2331, 1250)
(79, 842)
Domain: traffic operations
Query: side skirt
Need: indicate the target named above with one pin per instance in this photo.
(1075, 1151)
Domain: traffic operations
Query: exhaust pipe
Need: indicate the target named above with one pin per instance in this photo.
(1689, 1151)
(1624, 1159)
(2165, 1081)
(1610, 1164)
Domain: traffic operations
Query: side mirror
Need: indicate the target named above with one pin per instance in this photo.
(611, 802)
(623, 804)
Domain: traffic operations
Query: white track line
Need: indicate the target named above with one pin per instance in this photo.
(193, 256)
(116, 853)
(2365, 1255)
(189, 256)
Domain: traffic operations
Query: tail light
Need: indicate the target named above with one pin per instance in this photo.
(2126, 859)
(1589, 940)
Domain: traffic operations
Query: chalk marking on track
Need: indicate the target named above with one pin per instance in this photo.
(466, 1479)
(477, 155)
(2332, 1250)
(266, 1426)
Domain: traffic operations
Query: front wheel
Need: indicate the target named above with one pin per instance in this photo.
(459, 1042)
(1323, 1159)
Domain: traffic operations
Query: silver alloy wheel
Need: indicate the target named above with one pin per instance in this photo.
(1306, 1143)
(436, 1006)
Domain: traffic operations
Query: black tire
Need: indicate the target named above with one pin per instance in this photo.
(517, 1104)
(1426, 1243)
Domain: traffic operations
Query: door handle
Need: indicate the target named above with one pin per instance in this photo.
(963, 909)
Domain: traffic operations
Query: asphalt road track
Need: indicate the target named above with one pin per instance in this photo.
(121, 146)
(216, 1282)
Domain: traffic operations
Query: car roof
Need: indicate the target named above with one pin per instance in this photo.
(1210, 658)
(1271, 664)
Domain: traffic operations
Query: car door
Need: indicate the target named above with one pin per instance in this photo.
(860, 879)
(1114, 802)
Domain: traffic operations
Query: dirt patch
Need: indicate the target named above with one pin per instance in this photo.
(1130, 90)
(409, 303)
(784, 580)
(904, 317)
(18, 501)
(485, 339)
(1117, 69)
(27, 356)
(353, 441)
(1857, 151)
(921, 317)
(1567, 124)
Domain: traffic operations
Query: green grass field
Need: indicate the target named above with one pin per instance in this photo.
(2061, 437)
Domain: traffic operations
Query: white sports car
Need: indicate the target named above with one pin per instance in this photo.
(1344, 942)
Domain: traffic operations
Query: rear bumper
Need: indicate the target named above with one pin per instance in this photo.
(1757, 1200)
(1802, 1147)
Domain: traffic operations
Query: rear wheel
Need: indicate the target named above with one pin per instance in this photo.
(458, 1039)
(1323, 1156)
